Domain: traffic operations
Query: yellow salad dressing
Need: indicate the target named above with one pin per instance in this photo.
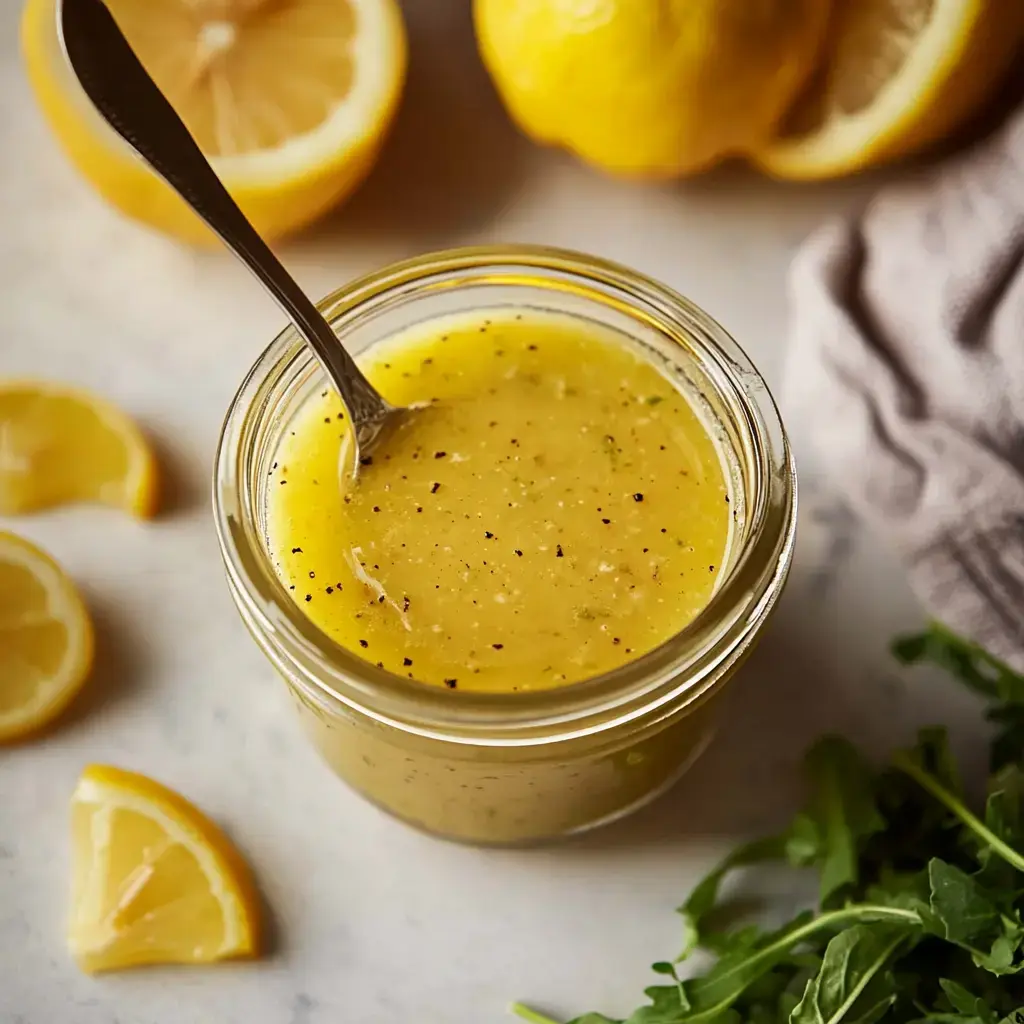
(557, 511)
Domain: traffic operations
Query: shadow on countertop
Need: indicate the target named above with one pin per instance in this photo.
(453, 158)
(119, 659)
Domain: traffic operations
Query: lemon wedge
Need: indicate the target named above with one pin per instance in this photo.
(154, 881)
(46, 639)
(59, 445)
(897, 75)
(289, 99)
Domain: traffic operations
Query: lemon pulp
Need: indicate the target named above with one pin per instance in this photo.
(46, 639)
(154, 881)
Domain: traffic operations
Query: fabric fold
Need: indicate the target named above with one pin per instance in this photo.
(906, 365)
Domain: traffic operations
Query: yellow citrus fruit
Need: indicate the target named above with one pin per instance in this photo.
(46, 639)
(154, 881)
(645, 89)
(289, 99)
(59, 445)
(896, 76)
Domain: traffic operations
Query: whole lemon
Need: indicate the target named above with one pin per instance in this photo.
(650, 88)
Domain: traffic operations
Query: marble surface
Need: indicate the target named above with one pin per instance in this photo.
(373, 922)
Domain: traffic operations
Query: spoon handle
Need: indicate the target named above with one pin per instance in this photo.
(123, 92)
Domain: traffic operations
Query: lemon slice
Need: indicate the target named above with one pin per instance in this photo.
(897, 75)
(59, 445)
(290, 100)
(46, 639)
(154, 881)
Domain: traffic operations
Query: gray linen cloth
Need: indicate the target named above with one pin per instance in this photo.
(907, 365)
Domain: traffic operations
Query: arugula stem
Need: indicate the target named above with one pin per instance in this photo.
(908, 766)
(531, 1016)
(855, 912)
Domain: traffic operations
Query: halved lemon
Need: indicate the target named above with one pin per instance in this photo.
(650, 90)
(59, 445)
(896, 76)
(46, 639)
(154, 881)
(290, 100)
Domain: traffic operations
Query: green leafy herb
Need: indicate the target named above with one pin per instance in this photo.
(920, 896)
(854, 982)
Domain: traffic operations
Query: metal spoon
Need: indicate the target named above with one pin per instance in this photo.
(129, 100)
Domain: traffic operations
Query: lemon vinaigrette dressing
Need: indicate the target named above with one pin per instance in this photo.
(557, 511)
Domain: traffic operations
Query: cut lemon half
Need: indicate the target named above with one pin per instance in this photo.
(896, 76)
(59, 445)
(289, 99)
(154, 881)
(46, 639)
(650, 90)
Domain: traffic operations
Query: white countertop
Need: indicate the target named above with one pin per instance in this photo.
(373, 922)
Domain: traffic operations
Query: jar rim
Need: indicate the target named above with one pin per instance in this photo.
(681, 669)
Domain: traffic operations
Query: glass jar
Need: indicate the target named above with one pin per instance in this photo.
(522, 767)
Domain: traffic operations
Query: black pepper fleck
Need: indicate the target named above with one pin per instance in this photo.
(330, 590)
(364, 643)
(309, 597)
(440, 455)
(497, 647)
(638, 496)
(488, 534)
(519, 553)
(451, 683)
(435, 487)
(606, 521)
(407, 662)
(296, 551)
(366, 460)
(559, 553)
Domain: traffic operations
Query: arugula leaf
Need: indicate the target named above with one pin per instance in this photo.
(842, 808)
(962, 909)
(966, 1003)
(853, 985)
(1014, 1017)
(704, 897)
(980, 672)
(966, 661)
